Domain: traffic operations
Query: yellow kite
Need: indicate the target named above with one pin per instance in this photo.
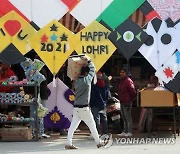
(93, 41)
(16, 30)
(5, 39)
(52, 45)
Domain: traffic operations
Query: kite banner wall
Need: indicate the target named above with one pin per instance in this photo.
(93, 41)
(60, 106)
(118, 11)
(52, 45)
(16, 30)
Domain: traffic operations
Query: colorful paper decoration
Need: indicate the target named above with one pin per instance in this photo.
(93, 41)
(167, 8)
(41, 12)
(37, 64)
(31, 69)
(170, 72)
(161, 44)
(38, 77)
(118, 11)
(128, 38)
(27, 65)
(60, 106)
(52, 45)
(14, 29)
(88, 10)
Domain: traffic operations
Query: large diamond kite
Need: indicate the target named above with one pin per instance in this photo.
(93, 41)
(162, 42)
(16, 30)
(60, 106)
(52, 45)
(128, 37)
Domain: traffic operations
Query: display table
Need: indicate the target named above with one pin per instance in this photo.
(158, 99)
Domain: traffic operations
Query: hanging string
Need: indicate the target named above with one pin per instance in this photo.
(54, 81)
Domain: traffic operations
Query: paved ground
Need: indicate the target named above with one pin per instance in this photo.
(55, 145)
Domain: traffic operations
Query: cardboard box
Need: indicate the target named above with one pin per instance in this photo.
(75, 64)
(16, 134)
(157, 98)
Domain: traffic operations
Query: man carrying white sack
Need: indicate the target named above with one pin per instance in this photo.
(81, 104)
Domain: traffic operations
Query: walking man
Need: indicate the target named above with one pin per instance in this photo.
(81, 104)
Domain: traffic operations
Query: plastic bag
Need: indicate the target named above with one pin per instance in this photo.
(41, 110)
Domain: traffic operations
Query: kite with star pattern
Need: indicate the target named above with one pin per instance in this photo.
(52, 45)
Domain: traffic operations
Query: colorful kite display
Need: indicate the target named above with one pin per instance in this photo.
(93, 41)
(167, 8)
(52, 45)
(41, 12)
(88, 10)
(60, 106)
(118, 11)
(170, 72)
(161, 44)
(128, 38)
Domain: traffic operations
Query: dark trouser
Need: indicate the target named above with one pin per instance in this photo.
(126, 117)
(100, 116)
